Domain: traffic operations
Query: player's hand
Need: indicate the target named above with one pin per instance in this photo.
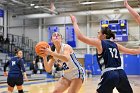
(45, 51)
(5, 74)
(125, 3)
(26, 79)
(73, 18)
(25, 76)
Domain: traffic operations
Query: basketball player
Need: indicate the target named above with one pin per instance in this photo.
(108, 59)
(15, 76)
(132, 12)
(73, 73)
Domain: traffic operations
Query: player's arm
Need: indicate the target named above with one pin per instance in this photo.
(90, 41)
(48, 64)
(5, 66)
(128, 50)
(132, 11)
(23, 69)
(65, 56)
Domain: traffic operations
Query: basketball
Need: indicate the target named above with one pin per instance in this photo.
(39, 45)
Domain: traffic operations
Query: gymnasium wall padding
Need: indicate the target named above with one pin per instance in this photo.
(91, 61)
(131, 64)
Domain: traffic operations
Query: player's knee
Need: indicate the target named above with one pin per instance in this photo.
(10, 89)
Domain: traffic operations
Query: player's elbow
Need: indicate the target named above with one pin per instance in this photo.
(78, 37)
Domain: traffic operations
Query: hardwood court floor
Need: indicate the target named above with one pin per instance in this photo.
(89, 85)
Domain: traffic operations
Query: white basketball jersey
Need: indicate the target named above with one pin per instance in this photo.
(71, 65)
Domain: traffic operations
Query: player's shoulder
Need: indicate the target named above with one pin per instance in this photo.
(68, 47)
(13, 58)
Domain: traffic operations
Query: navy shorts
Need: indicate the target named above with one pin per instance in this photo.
(12, 81)
(112, 79)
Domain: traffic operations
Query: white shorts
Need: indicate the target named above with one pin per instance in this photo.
(74, 74)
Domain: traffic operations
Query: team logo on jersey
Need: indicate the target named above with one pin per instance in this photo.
(13, 63)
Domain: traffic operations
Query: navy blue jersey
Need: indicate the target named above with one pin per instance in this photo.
(16, 64)
(110, 57)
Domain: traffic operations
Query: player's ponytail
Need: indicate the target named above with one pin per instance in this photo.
(112, 35)
(109, 34)
(53, 47)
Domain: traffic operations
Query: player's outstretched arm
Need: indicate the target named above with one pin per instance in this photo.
(128, 50)
(90, 41)
(132, 11)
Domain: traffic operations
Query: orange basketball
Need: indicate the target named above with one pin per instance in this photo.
(39, 45)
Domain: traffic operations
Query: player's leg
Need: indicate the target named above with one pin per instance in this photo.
(75, 85)
(20, 89)
(76, 81)
(11, 84)
(108, 82)
(124, 85)
(10, 89)
(61, 85)
(19, 83)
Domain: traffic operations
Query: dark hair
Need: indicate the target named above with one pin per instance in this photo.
(17, 50)
(53, 49)
(109, 34)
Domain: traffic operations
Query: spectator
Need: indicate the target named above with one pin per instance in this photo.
(88, 71)
(33, 67)
(40, 66)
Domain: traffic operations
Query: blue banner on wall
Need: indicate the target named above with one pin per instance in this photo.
(1, 13)
(70, 36)
(119, 27)
(51, 30)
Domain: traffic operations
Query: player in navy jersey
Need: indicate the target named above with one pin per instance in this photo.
(113, 76)
(15, 75)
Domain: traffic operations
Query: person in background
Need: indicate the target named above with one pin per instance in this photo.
(33, 67)
(88, 71)
(40, 66)
(16, 72)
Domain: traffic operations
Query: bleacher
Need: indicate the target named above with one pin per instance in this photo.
(7, 51)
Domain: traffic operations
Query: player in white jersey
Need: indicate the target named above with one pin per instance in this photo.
(73, 73)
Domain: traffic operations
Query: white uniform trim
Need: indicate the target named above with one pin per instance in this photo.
(109, 69)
